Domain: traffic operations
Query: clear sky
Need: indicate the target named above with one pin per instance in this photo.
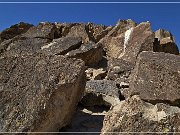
(165, 16)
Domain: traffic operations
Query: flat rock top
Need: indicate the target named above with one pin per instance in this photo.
(27, 83)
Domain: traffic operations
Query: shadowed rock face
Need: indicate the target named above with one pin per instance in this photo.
(135, 115)
(156, 77)
(90, 53)
(14, 30)
(39, 92)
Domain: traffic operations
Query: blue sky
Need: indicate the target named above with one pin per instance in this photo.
(160, 15)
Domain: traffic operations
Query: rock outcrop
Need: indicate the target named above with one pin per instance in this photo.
(134, 115)
(14, 30)
(39, 92)
(50, 70)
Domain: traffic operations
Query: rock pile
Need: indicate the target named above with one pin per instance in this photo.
(127, 73)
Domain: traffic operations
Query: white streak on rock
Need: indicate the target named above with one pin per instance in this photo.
(126, 39)
(48, 45)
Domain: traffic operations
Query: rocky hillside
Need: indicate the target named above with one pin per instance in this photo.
(76, 77)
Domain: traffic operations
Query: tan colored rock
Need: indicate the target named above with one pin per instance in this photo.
(96, 74)
(39, 93)
(134, 115)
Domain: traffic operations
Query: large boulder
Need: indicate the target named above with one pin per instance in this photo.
(14, 30)
(156, 77)
(100, 92)
(22, 46)
(90, 53)
(39, 93)
(42, 30)
(113, 41)
(62, 46)
(79, 31)
(134, 115)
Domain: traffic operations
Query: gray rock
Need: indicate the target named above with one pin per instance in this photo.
(101, 92)
(39, 93)
(156, 77)
(134, 115)
(61, 46)
(90, 53)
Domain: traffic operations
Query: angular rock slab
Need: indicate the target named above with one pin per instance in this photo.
(135, 115)
(90, 53)
(63, 45)
(161, 33)
(39, 93)
(101, 92)
(156, 77)
(22, 46)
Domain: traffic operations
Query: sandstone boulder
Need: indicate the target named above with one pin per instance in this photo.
(14, 30)
(134, 115)
(90, 53)
(100, 92)
(161, 33)
(39, 93)
(156, 77)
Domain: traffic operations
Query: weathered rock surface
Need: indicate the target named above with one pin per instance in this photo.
(90, 53)
(43, 30)
(156, 77)
(135, 115)
(22, 46)
(38, 92)
(101, 92)
(14, 30)
(119, 69)
(161, 33)
(166, 45)
(62, 46)
(96, 74)
(113, 41)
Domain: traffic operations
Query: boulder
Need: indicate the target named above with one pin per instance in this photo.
(161, 33)
(62, 46)
(166, 45)
(14, 30)
(156, 78)
(119, 69)
(22, 46)
(90, 53)
(80, 31)
(134, 115)
(42, 30)
(100, 92)
(113, 41)
(39, 93)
